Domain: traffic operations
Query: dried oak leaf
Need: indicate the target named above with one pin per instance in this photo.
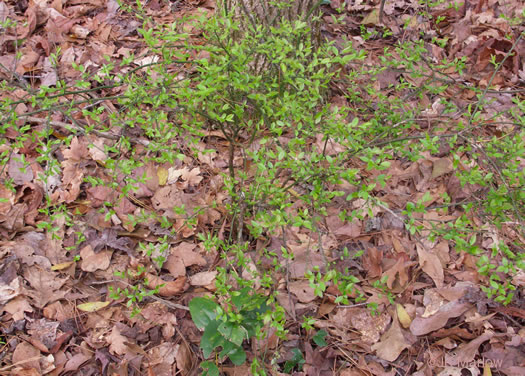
(181, 257)
(46, 286)
(18, 170)
(117, 342)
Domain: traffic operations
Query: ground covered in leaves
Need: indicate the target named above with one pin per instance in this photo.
(57, 315)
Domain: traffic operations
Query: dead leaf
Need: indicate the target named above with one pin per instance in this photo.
(467, 352)
(92, 261)
(166, 288)
(92, 306)
(431, 264)
(203, 278)
(404, 319)
(302, 290)
(46, 286)
(9, 285)
(17, 308)
(441, 167)
(19, 170)
(117, 342)
(424, 325)
(74, 363)
(162, 174)
(26, 355)
(392, 343)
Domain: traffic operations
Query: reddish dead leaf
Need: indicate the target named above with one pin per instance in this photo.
(166, 288)
(372, 262)
(157, 314)
(17, 307)
(74, 363)
(182, 256)
(27, 356)
(161, 359)
(184, 358)
(58, 311)
(399, 270)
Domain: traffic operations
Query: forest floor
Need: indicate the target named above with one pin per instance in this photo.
(56, 314)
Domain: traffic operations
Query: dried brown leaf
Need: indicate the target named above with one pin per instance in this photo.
(392, 343)
(92, 261)
(431, 264)
(424, 325)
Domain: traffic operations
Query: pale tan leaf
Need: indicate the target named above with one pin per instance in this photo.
(441, 167)
(402, 316)
(92, 306)
(162, 174)
(203, 278)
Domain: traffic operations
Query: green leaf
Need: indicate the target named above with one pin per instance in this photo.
(210, 369)
(233, 332)
(319, 338)
(237, 356)
(203, 311)
(211, 338)
(296, 361)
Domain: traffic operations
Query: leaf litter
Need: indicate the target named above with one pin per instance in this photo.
(57, 317)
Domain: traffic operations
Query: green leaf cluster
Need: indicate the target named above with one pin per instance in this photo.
(227, 329)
